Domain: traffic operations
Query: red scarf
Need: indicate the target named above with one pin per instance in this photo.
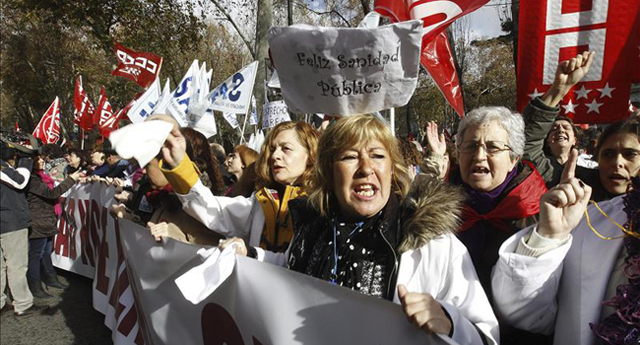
(523, 201)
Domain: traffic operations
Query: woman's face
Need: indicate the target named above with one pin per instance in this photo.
(288, 159)
(40, 163)
(234, 165)
(362, 180)
(74, 160)
(619, 161)
(482, 170)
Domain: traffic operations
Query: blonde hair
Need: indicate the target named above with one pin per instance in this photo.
(308, 138)
(346, 133)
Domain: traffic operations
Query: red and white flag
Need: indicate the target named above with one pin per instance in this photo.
(103, 112)
(552, 31)
(48, 129)
(139, 67)
(436, 55)
(113, 123)
(83, 108)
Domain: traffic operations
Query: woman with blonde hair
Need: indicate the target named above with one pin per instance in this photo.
(363, 228)
(283, 172)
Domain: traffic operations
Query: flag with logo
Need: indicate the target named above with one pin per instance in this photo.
(181, 98)
(48, 129)
(554, 31)
(163, 100)
(83, 112)
(140, 67)
(436, 55)
(143, 106)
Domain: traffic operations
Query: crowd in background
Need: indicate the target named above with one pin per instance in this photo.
(434, 225)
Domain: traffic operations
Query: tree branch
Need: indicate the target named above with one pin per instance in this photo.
(235, 26)
(323, 13)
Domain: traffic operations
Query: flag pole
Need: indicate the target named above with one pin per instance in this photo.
(392, 119)
(82, 141)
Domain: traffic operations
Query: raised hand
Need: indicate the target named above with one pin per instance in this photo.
(424, 311)
(241, 249)
(562, 207)
(174, 148)
(568, 74)
(436, 141)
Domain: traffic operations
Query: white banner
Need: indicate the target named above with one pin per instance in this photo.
(88, 244)
(234, 94)
(232, 119)
(258, 304)
(344, 71)
(134, 286)
(274, 113)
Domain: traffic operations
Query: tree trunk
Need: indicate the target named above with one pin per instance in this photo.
(264, 22)
(289, 12)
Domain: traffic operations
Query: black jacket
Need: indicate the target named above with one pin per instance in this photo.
(14, 209)
(41, 204)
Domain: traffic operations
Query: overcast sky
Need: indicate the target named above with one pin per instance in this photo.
(485, 22)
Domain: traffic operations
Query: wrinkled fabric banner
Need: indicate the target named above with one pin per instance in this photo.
(345, 71)
(87, 244)
(553, 30)
(259, 303)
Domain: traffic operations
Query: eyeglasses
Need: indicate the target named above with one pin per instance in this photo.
(492, 148)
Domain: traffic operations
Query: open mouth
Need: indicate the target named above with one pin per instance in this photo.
(480, 171)
(561, 138)
(365, 190)
(618, 178)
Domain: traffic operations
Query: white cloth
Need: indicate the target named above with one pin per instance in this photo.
(201, 281)
(562, 290)
(141, 141)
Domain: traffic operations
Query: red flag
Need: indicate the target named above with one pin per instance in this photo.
(553, 31)
(139, 67)
(48, 129)
(436, 54)
(103, 111)
(113, 123)
(83, 108)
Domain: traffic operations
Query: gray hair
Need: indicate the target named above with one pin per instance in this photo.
(510, 121)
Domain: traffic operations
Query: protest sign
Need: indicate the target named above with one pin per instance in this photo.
(88, 244)
(344, 71)
(552, 31)
(273, 113)
(259, 303)
(234, 94)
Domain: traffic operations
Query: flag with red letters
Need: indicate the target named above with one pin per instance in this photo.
(436, 55)
(552, 31)
(48, 129)
(139, 67)
(83, 108)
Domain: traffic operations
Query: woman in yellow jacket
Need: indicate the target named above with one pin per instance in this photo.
(283, 171)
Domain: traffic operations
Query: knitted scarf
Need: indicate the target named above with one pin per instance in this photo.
(623, 326)
(47, 180)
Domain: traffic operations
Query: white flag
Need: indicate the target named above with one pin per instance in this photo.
(163, 100)
(253, 120)
(233, 95)
(231, 118)
(179, 104)
(143, 107)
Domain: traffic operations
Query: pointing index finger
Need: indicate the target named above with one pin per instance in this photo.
(569, 171)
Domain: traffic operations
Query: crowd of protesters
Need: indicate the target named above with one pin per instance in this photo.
(472, 237)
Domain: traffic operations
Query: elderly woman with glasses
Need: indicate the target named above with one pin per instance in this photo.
(363, 229)
(503, 192)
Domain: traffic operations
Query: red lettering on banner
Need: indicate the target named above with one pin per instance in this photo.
(85, 219)
(226, 330)
(114, 296)
(65, 240)
(573, 6)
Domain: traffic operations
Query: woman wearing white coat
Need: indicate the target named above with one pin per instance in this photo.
(283, 169)
(554, 277)
(363, 229)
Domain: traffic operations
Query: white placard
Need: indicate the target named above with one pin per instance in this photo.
(274, 113)
(344, 71)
